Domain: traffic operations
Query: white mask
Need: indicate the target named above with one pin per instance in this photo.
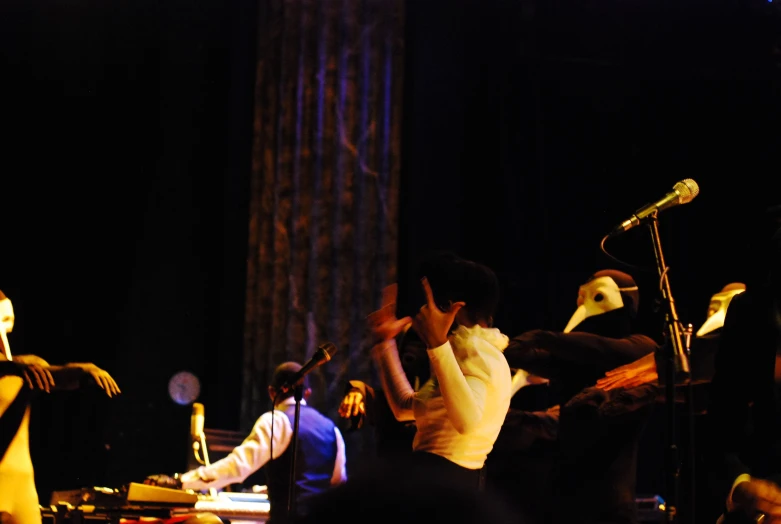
(717, 310)
(596, 297)
(6, 325)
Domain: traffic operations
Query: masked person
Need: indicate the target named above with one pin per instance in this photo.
(702, 351)
(744, 449)
(598, 337)
(692, 418)
(23, 376)
(596, 435)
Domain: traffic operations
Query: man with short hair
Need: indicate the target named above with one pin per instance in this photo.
(320, 461)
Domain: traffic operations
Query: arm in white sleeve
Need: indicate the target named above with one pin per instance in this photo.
(395, 385)
(340, 466)
(246, 458)
(464, 395)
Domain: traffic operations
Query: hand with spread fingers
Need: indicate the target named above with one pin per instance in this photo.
(353, 405)
(383, 324)
(100, 376)
(637, 373)
(433, 323)
(34, 370)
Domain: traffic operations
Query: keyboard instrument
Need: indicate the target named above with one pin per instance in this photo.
(140, 500)
(246, 507)
(133, 494)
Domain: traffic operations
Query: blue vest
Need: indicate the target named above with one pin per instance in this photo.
(314, 462)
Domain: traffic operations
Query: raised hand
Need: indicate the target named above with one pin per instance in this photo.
(432, 323)
(637, 373)
(352, 405)
(383, 324)
(35, 372)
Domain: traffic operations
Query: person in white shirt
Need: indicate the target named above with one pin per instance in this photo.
(460, 410)
(320, 461)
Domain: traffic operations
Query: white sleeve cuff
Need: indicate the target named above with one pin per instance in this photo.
(439, 349)
(741, 479)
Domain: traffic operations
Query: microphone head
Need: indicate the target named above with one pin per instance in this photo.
(196, 420)
(687, 189)
(328, 348)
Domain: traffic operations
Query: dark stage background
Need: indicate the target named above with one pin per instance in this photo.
(530, 129)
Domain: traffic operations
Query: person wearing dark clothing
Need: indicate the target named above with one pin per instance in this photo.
(582, 478)
(744, 410)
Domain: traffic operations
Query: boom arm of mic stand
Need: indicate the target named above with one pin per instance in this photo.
(298, 394)
(676, 370)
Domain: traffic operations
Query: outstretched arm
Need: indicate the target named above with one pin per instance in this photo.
(541, 352)
(69, 376)
(36, 376)
(247, 457)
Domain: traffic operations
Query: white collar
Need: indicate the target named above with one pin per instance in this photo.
(289, 401)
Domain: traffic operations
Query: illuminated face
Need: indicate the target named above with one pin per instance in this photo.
(6, 316)
(596, 297)
(717, 309)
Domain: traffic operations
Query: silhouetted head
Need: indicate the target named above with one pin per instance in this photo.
(455, 279)
(284, 374)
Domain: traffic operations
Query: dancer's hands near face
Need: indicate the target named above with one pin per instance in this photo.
(432, 323)
(383, 324)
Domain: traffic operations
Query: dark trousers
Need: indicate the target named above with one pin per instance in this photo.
(444, 472)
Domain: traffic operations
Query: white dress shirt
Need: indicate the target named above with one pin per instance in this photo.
(255, 452)
(460, 410)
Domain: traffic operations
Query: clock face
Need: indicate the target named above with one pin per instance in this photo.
(184, 388)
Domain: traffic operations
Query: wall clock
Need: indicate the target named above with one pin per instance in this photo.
(184, 388)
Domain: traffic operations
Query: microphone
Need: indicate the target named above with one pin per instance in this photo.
(323, 354)
(683, 192)
(196, 421)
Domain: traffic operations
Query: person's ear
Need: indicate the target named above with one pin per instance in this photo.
(307, 393)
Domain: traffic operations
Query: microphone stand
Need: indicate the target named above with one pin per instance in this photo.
(298, 393)
(676, 370)
(692, 443)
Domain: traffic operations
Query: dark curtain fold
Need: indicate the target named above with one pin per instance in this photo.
(324, 188)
